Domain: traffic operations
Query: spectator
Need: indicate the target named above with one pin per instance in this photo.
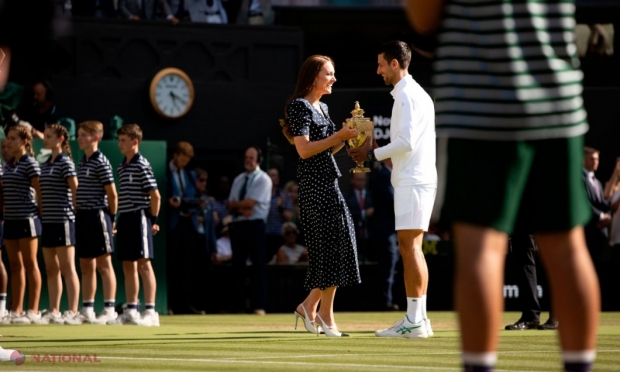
(181, 225)
(292, 189)
(359, 200)
(92, 8)
(383, 232)
(612, 192)
(205, 11)
(280, 211)
(43, 110)
(145, 10)
(223, 252)
(249, 200)
(291, 252)
(221, 198)
(596, 229)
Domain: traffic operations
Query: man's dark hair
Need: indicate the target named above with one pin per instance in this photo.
(398, 50)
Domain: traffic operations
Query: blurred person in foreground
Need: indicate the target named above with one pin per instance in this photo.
(501, 109)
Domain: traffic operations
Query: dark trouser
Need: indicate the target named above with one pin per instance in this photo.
(189, 265)
(523, 251)
(387, 257)
(247, 239)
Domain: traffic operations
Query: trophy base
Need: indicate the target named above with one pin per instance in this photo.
(359, 170)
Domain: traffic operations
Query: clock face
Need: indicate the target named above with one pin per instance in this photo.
(172, 93)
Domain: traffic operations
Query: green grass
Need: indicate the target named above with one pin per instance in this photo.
(269, 343)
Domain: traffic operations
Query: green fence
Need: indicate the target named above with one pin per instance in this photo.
(155, 152)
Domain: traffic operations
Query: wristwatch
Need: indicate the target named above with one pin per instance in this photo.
(371, 155)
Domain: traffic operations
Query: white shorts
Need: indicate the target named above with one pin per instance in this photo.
(413, 206)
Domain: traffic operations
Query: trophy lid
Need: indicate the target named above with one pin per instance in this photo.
(357, 112)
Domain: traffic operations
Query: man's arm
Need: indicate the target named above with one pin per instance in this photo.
(155, 204)
(122, 8)
(404, 142)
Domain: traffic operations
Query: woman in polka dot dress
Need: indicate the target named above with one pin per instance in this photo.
(330, 235)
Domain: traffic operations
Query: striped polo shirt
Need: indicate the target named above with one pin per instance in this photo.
(55, 192)
(19, 197)
(136, 179)
(94, 174)
(508, 70)
(1, 211)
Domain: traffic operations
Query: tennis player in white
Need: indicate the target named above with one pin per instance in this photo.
(414, 177)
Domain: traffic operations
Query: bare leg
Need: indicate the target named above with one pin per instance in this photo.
(28, 247)
(480, 259)
(576, 296)
(4, 279)
(148, 280)
(54, 281)
(66, 258)
(18, 275)
(132, 283)
(5, 62)
(414, 263)
(310, 303)
(326, 311)
(108, 277)
(89, 280)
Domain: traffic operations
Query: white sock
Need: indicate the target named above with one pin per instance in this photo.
(424, 307)
(480, 359)
(414, 309)
(2, 302)
(109, 309)
(586, 356)
(132, 308)
(87, 307)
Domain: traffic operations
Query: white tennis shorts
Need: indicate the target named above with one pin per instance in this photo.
(413, 206)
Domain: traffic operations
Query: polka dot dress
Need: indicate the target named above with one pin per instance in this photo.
(327, 223)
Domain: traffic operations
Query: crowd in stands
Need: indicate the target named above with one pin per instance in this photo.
(253, 12)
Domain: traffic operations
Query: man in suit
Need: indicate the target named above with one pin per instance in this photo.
(382, 232)
(523, 248)
(181, 185)
(359, 201)
(145, 10)
(596, 229)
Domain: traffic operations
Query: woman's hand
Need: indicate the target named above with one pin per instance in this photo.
(346, 133)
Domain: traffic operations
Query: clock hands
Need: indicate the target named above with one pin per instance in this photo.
(175, 97)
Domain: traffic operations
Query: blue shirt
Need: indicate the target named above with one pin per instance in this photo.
(136, 179)
(94, 174)
(56, 195)
(19, 202)
(274, 220)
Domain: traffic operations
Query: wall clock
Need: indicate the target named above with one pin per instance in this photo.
(171, 93)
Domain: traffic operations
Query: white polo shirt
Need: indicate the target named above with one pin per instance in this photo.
(412, 136)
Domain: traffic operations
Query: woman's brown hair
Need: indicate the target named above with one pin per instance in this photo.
(305, 80)
(25, 134)
(61, 131)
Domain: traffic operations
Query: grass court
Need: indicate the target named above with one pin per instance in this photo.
(269, 343)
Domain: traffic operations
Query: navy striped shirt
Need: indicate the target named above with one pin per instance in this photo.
(93, 174)
(19, 202)
(136, 179)
(55, 192)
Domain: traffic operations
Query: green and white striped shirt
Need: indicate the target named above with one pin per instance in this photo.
(508, 70)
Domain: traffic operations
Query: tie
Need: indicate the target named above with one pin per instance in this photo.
(361, 200)
(244, 188)
(181, 182)
(598, 190)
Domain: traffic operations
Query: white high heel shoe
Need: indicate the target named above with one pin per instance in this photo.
(328, 330)
(309, 324)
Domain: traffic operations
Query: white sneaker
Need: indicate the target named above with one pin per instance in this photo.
(51, 318)
(72, 318)
(7, 317)
(5, 354)
(88, 317)
(149, 318)
(405, 329)
(105, 316)
(429, 330)
(29, 317)
(126, 318)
